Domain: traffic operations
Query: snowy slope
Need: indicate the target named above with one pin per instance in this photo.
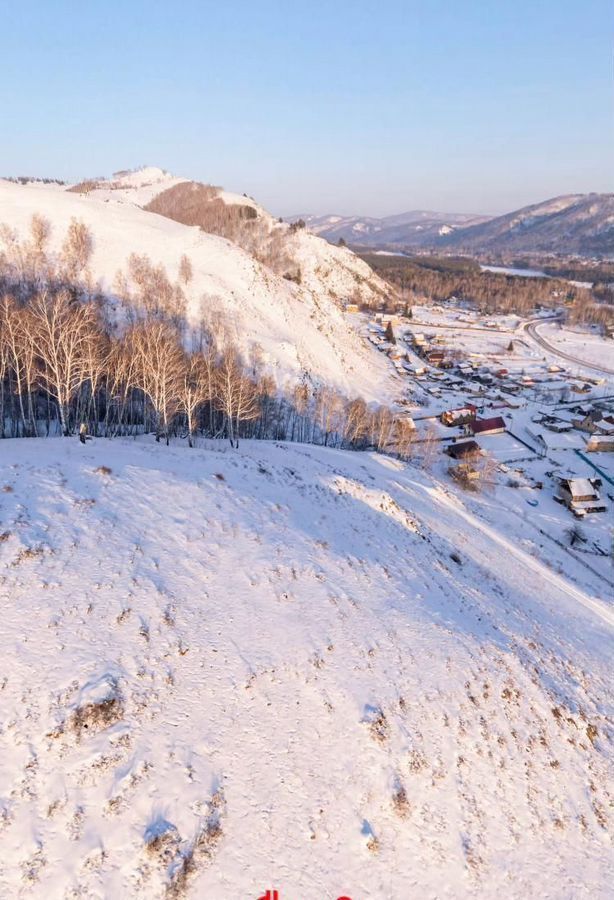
(300, 329)
(226, 672)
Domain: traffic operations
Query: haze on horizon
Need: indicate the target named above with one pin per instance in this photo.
(326, 108)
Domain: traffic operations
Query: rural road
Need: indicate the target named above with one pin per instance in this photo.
(531, 329)
(436, 325)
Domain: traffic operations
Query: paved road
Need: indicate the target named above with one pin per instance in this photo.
(531, 329)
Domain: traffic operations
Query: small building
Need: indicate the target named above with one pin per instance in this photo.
(351, 307)
(435, 357)
(589, 421)
(495, 425)
(463, 450)
(580, 495)
(459, 416)
(396, 353)
(605, 426)
(559, 426)
(581, 409)
(600, 443)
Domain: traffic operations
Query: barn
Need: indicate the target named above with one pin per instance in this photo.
(463, 450)
(495, 425)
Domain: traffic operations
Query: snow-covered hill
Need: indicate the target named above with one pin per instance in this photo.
(290, 668)
(299, 328)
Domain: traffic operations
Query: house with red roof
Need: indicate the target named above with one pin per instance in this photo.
(495, 425)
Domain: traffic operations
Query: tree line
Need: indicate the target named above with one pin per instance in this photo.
(69, 356)
(420, 279)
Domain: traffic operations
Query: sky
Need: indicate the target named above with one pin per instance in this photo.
(326, 106)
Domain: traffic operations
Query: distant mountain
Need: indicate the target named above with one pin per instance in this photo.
(579, 224)
(415, 228)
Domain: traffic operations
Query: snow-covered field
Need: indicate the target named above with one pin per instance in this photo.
(582, 343)
(292, 668)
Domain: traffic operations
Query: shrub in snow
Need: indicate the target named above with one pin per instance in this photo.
(100, 704)
(376, 719)
(400, 802)
(198, 852)
(162, 841)
(370, 840)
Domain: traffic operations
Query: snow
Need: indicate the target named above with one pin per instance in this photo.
(289, 682)
(582, 343)
(138, 187)
(520, 273)
(300, 330)
(530, 273)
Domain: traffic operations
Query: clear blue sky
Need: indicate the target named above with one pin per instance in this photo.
(317, 106)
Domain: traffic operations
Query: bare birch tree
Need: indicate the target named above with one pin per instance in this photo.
(356, 421)
(186, 273)
(63, 333)
(235, 394)
(17, 338)
(77, 251)
(196, 389)
(158, 371)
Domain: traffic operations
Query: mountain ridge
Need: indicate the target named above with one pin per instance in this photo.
(568, 224)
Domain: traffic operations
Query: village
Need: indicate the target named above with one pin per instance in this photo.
(504, 411)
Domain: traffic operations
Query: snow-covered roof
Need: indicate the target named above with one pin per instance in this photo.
(580, 487)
